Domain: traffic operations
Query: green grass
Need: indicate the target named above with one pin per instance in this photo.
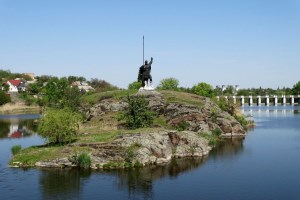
(107, 136)
(183, 98)
(161, 121)
(29, 156)
(84, 160)
(94, 98)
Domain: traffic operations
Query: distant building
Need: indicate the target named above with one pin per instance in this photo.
(233, 89)
(15, 85)
(224, 87)
(82, 86)
(31, 75)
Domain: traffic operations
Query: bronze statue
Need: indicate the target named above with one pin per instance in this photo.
(144, 73)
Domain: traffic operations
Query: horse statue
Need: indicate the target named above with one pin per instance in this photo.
(145, 75)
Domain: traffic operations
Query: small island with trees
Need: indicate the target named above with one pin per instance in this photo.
(107, 127)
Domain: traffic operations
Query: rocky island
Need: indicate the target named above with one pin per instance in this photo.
(185, 125)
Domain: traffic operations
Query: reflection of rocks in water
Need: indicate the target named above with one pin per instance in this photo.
(16, 128)
(139, 181)
(229, 147)
(62, 183)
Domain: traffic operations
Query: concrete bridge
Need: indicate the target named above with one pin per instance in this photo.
(264, 100)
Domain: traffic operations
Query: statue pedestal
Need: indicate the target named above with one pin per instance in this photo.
(147, 88)
(148, 93)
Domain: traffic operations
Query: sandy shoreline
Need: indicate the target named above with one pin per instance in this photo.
(19, 108)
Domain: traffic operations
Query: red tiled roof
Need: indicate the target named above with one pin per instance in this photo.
(15, 82)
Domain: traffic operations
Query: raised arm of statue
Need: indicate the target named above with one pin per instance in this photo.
(150, 63)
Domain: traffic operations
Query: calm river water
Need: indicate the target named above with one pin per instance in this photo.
(265, 165)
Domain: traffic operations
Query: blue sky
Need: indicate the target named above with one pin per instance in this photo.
(251, 43)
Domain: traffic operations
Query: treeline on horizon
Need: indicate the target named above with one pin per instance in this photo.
(47, 85)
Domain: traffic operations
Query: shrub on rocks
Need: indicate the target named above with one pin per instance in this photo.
(137, 114)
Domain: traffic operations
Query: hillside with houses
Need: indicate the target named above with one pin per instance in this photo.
(27, 89)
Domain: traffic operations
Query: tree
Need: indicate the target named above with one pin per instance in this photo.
(59, 125)
(4, 98)
(71, 98)
(33, 88)
(59, 94)
(228, 105)
(137, 114)
(296, 88)
(101, 85)
(4, 74)
(135, 85)
(5, 87)
(43, 79)
(55, 92)
(168, 84)
(203, 89)
(72, 79)
(229, 91)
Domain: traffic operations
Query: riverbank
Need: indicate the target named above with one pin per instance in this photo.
(19, 108)
(185, 125)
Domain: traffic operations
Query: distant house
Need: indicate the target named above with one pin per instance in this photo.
(31, 75)
(15, 85)
(82, 86)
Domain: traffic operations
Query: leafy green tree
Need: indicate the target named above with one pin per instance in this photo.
(41, 80)
(228, 105)
(60, 94)
(203, 89)
(137, 114)
(72, 79)
(4, 73)
(71, 98)
(5, 87)
(168, 84)
(296, 88)
(101, 85)
(4, 98)
(229, 91)
(33, 88)
(59, 125)
(218, 91)
(135, 85)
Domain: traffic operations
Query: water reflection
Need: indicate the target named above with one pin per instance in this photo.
(284, 110)
(136, 182)
(228, 148)
(139, 182)
(17, 127)
(62, 183)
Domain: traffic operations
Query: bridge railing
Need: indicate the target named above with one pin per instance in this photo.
(264, 100)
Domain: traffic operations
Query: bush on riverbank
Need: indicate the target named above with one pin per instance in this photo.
(4, 98)
(59, 125)
(83, 160)
(16, 149)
